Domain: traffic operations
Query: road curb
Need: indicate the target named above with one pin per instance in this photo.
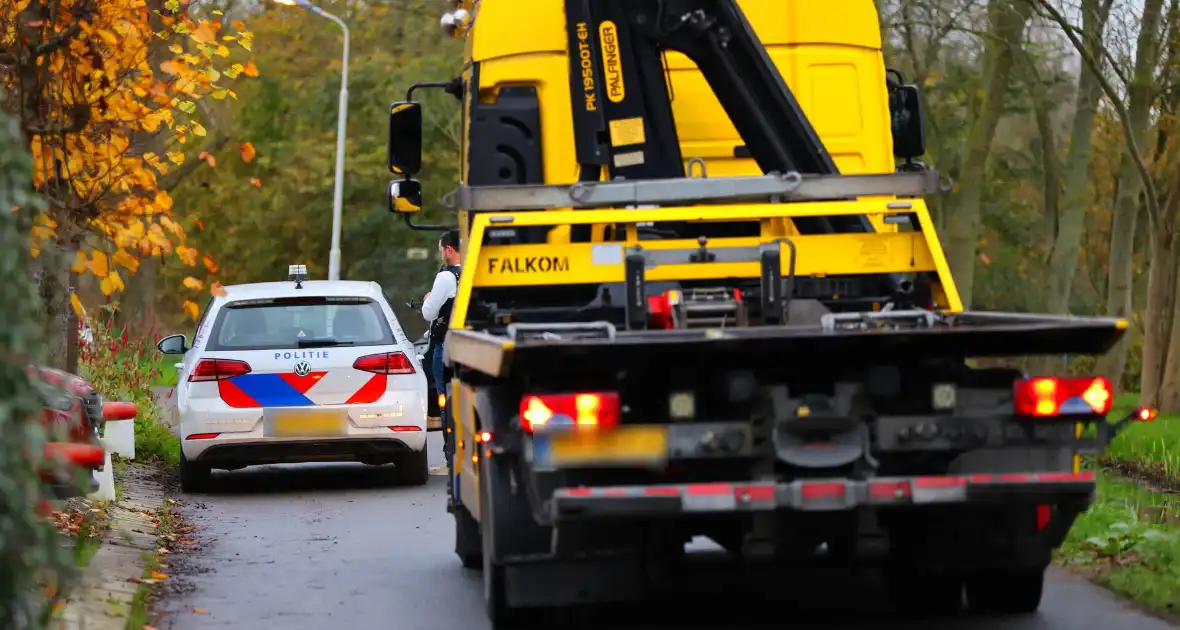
(104, 596)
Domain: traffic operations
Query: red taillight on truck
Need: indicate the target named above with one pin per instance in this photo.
(1046, 397)
(218, 370)
(384, 363)
(585, 409)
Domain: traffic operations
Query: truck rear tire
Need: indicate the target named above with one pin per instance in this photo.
(468, 540)
(916, 593)
(495, 579)
(1015, 591)
(194, 476)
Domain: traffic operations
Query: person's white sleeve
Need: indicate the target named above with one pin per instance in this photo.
(443, 290)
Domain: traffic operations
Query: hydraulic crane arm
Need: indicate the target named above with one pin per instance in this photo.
(623, 112)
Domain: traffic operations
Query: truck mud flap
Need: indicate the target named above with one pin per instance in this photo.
(955, 336)
(819, 495)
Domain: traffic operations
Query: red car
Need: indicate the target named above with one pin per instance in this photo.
(72, 411)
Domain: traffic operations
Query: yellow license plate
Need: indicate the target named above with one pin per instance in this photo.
(310, 425)
(625, 445)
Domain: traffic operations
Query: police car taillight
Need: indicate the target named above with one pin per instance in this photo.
(1050, 397)
(384, 363)
(218, 370)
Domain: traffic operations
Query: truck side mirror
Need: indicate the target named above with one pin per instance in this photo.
(405, 138)
(405, 196)
(908, 122)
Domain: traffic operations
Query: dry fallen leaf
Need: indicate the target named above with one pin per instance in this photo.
(200, 611)
(148, 628)
(156, 575)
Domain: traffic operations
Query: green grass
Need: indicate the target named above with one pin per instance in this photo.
(1154, 445)
(137, 618)
(88, 539)
(166, 371)
(153, 440)
(1129, 542)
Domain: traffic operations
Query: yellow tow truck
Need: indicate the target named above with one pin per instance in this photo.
(702, 296)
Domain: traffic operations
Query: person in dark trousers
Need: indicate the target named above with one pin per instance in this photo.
(436, 309)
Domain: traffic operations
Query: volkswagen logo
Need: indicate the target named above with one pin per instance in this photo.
(303, 368)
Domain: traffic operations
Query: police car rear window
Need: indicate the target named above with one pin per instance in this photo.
(304, 322)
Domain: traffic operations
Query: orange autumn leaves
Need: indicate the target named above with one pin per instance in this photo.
(128, 96)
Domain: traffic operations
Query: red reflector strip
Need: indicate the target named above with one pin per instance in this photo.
(813, 491)
(202, 436)
(709, 489)
(398, 429)
(764, 492)
(939, 482)
(662, 491)
(890, 490)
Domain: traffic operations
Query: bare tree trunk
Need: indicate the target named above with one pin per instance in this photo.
(1159, 281)
(1167, 398)
(1050, 165)
(1122, 234)
(1063, 260)
(1007, 18)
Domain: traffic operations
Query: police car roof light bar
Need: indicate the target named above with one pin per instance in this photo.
(297, 274)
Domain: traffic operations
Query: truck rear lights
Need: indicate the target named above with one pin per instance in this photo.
(1044, 515)
(584, 409)
(208, 370)
(384, 363)
(1045, 397)
(661, 310)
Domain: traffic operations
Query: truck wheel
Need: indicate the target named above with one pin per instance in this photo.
(412, 469)
(1015, 591)
(495, 578)
(468, 540)
(921, 594)
(194, 476)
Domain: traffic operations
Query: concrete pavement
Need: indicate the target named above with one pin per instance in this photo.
(323, 546)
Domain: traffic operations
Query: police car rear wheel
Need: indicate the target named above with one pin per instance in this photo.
(412, 469)
(194, 476)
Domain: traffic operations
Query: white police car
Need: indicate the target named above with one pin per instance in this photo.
(299, 371)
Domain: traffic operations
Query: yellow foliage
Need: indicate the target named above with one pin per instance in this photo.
(193, 283)
(102, 62)
(98, 264)
(111, 283)
(191, 309)
(187, 255)
(125, 260)
(77, 305)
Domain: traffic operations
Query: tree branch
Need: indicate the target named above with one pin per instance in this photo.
(1124, 117)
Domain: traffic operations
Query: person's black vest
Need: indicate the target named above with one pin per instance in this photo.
(440, 325)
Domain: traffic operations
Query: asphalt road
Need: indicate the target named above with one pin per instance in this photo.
(336, 547)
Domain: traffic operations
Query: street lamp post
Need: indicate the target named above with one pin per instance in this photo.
(341, 125)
